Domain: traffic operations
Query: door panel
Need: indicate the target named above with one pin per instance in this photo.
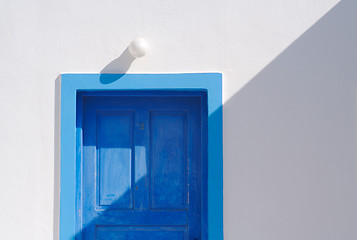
(168, 160)
(141, 168)
(114, 136)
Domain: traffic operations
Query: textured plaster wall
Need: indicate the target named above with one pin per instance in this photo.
(289, 68)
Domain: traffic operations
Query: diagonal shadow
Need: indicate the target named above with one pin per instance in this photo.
(90, 229)
(289, 148)
(290, 141)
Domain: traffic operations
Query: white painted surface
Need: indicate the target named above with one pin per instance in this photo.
(290, 164)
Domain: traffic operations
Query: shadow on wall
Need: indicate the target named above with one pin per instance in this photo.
(290, 139)
(290, 167)
(118, 65)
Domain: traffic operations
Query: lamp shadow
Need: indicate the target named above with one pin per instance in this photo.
(119, 65)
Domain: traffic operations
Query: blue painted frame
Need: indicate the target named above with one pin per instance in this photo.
(72, 83)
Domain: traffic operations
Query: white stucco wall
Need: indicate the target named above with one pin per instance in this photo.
(290, 77)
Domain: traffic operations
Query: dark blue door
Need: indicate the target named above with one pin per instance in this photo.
(141, 168)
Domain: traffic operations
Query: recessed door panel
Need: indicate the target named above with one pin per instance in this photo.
(114, 142)
(168, 160)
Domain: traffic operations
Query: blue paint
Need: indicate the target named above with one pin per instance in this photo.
(208, 82)
(141, 233)
(169, 162)
(109, 147)
(114, 150)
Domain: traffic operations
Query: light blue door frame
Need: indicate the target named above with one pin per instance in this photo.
(71, 84)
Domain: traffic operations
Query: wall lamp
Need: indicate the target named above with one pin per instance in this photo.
(138, 47)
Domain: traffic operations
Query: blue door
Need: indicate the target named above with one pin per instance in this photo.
(141, 168)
